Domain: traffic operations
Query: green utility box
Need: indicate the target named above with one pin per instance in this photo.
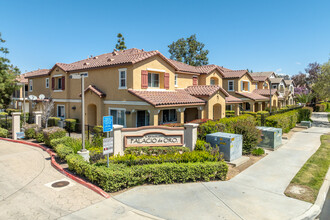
(271, 137)
(308, 124)
(229, 144)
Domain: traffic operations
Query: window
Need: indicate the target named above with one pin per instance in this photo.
(59, 83)
(231, 85)
(246, 86)
(153, 80)
(176, 80)
(61, 111)
(118, 116)
(228, 107)
(256, 85)
(274, 86)
(247, 106)
(212, 82)
(169, 115)
(281, 88)
(31, 85)
(122, 78)
(47, 82)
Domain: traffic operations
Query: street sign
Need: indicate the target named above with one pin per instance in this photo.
(107, 123)
(108, 145)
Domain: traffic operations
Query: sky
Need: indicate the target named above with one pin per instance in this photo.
(264, 35)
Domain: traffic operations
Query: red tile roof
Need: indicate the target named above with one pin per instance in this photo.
(233, 99)
(40, 72)
(205, 90)
(265, 92)
(259, 78)
(252, 96)
(96, 91)
(167, 98)
(230, 74)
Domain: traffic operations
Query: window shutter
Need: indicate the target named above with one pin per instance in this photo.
(166, 80)
(63, 82)
(195, 81)
(53, 83)
(242, 86)
(144, 79)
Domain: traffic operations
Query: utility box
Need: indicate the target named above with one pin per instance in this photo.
(229, 144)
(308, 124)
(271, 137)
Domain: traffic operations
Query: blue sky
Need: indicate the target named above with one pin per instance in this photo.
(265, 35)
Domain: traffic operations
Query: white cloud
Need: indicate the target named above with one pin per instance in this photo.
(298, 63)
(279, 70)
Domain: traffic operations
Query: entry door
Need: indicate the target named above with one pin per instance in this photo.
(141, 118)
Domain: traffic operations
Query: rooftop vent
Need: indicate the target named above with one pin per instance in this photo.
(109, 60)
(95, 57)
(86, 64)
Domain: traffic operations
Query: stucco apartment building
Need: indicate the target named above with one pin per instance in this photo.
(141, 88)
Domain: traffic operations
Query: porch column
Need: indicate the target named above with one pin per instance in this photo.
(118, 147)
(154, 117)
(252, 106)
(180, 115)
(16, 125)
(37, 116)
(236, 109)
(200, 112)
(259, 106)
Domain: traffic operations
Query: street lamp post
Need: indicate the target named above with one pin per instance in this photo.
(270, 96)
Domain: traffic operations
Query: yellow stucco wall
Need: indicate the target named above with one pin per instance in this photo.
(204, 79)
(217, 98)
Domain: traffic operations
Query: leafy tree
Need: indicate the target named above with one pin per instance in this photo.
(8, 74)
(300, 80)
(189, 51)
(120, 42)
(322, 83)
(47, 109)
(313, 70)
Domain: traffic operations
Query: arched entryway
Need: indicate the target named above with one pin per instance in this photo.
(216, 111)
(91, 114)
(274, 103)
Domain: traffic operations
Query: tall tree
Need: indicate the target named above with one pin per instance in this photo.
(321, 85)
(120, 42)
(8, 74)
(189, 51)
(313, 70)
(300, 80)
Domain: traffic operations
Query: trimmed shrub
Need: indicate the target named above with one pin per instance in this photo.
(70, 124)
(40, 137)
(201, 145)
(286, 121)
(3, 114)
(98, 131)
(119, 177)
(305, 114)
(155, 150)
(258, 151)
(30, 131)
(230, 113)
(11, 110)
(53, 121)
(96, 154)
(74, 144)
(321, 107)
(3, 132)
(63, 150)
(187, 157)
(53, 133)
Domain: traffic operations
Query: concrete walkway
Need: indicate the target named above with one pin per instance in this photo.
(256, 193)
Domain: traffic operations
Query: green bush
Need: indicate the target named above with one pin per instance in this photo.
(95, 154)
(321, 107)
(5, 122)
(11, 110)
(286, 121)
(304, 114)
(201, 145)
(74, 144)
(258, 151)
(63, 150)
(40, 137)
(155, 150)
(30, 131)
(98, 131)
(53, 121)
(119, 177)
(3, 114)
(187, 157)
(70, 124)
(3, 132)
(53, 133)
(251, 135)
(230, 113)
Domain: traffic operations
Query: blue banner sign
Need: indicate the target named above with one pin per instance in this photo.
(107, 123)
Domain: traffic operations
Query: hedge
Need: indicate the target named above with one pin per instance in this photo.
(40, 137)
(3, 132)
(321, 107)
(11, 110)
(63, 150)
(53, 133)
(305, 114)
(70, 124)
(286, 121)
(74, 144)
(53, 121)
(155, 150)
(194, 156)
(30, 131)
(118, 176)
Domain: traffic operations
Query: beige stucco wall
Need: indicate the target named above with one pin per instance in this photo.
(184, 80)
(217, 98)
(39, 86)
(245, 77)
(205, 79)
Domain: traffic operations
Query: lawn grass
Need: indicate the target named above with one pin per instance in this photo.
(311, 176)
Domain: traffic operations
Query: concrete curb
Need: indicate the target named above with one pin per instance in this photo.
(60, 169)
(314, 211)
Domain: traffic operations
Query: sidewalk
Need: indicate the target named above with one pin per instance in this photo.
(256, 193)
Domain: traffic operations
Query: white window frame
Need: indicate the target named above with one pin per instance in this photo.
(249, 86)
(229, 81)
(176, 80)
(152, 78)
(256, 85)
(30, 85)
(122, 70)
(274, 86)
(118, 109)
(57, 111)
(47, 83)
